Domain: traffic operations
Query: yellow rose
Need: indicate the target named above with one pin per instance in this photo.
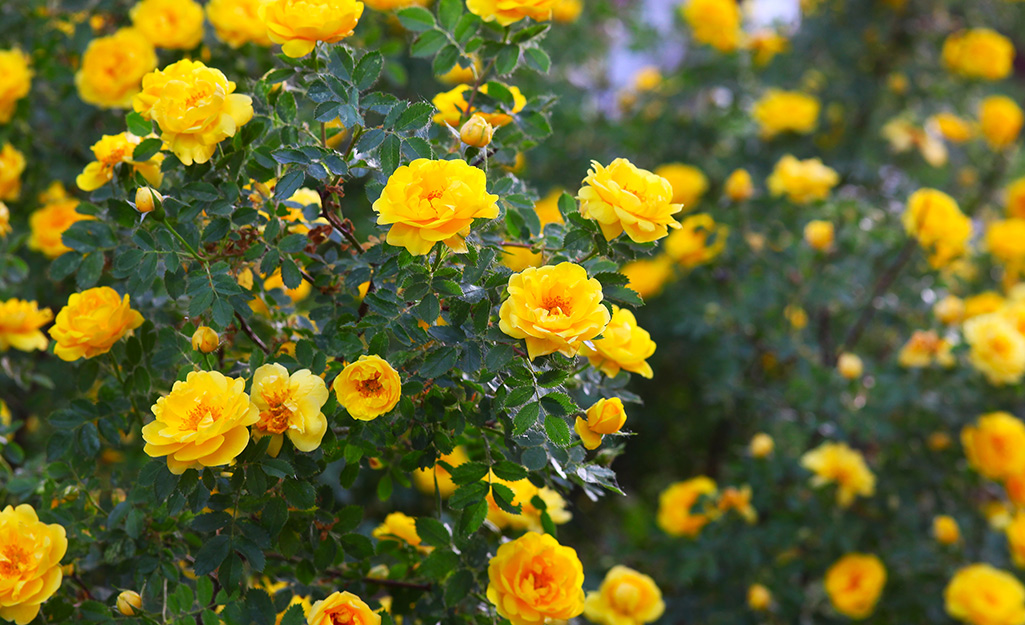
(626, 597)
(20, 325)
(171, 24)
(836, 463)
(460, 74)
(606, 416)
(676, 514)
(129, 602)
(275, 281)
(761, 445)
(1015, 202)
(49, 223)
(995, 445)
(980, 594)
(819, 234)
(289, 405)
(547, 208)
(5, 220)
(15, 81)
(623, 197)
(392, 5)
(1001, 120)
(714, 22)
(203, 422)
(555, 308)
(924, 348)
(945, 530)
(934, 218)
(648, 275)
(12, 163)
(648, 78)
(32, 552)
(113, 67)
(802, 181)
(507, 12)
(109, 152)
(797, 317)
(997, 348)
(780, 111)
(519, 258)
(91, 322)
(765, 45)
(424, 479)
(368, 388)
(949, 310)
(195, 107)
(401, 528)
(759, 598)
(433, 200)
(738, 499)
(566, 11)
(342, 608)
(1005, 240)
(147, 199)
(849, 365)
(533, 580)
(453, 107)
(688, 183)
(985, 302)
(624, 345)
(529, 517)
(237, 22)
(1014, 486)
(854, 584)
(299, 24)
(952, 127)
(739, 187)
(476, 132)
(979, 53)
(689, 245)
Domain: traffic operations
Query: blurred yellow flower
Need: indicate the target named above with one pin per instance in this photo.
(949, 310)
(936, 221)
(5, 220)
(452, 106)
(945, 530)
(113, 150)
(1005, 240)
(342, 608)
(802, 181)
(624, 345)
(1000, 119)
(923, 349)
(424, 479)
(460, 73)
(507, 12)
(739, 500)
(979, 53)
(698, 240)
(15, 81)
(1015, 198)
(547, 208)
(688, 183)
(953, 128)
(402, 528)
(648, 275)
(676, 506)
(393, 5)
(849, 365)
(49, 223)
(32, 571)
(567, 10)
(797, 317)
(739, 186)
(112, 68)
(605, 416)
(765, 44)
(995, 445)
(980, 594)
(12, 163)
(368, 388)
(299, 24)
(714, 22)
(290, 405)
(819, 234)
(237, 22)
(91, 322)
(985, 302)
(21, 325)
(780, 111)
(519, 258)
(761, 445)
(552, 590)
(997, 348)
(759, 598)
(854, 584)
(529, 517)
(648, 78)
(836, 463)
(172, 24)
(625, 597)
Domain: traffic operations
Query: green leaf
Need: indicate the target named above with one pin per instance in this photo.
(472, 518)
(509, 471)
(299, 494)
(368, 69)
(507, 59)
(525, 418)
(468, 495)
(428, 43)
(212, 553)
(416, 19)
(537, 59)
(557, 430)
(446, 59)
(439, 362)
(449, 12)
(458, 587)
(415, 117)
(138, 125)
(469, 472)
(294, 616)
(289, 184)
(145, 150)
(389, 153)
(432, 532)
(439, 564)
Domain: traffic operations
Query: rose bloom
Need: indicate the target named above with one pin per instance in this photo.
(20, 325)
(997, 348)
(554, 308)
(15, 81)
(1001, 120)
(979, 53)
(476, 132)
(934, 218)
(738, 499)
(1015, 198)
(171, 24)
(203, 422)
(995, 445)
(980, 594)
(30, 552)
(836, 463)
(923, 349)
(507, 12)
(205, 339)
(985, 302)
(113, 67)
(529, 518)
(424, 479)
(5, 220)
(676, 515)
(195, 107)
(626, 597)
(520, 258)
(738, 186)
(460, 74)
(623, 197)
(402, 528)
(780, 111)
(112, 150)
(765, 45)
(342, 607)
(945, 530)
(49, 223)
(1015, 532)
(394, 5)
(606, 416)
(547, 208)
(854, 584)
(802, 181)
(237, 22)
(714, 22)
(688, 183)
(761, 445)
(758, 598)
(819, 234)
(533, 580)
(12, 163)
(452, 106)
(849, 365)
(289, 405)
(648, 275)
(91, 322)
(689, 246)
(1005, 240)
(949, 310)
(952, 127)
(566, 11)
(624, 345)
(433, 200)
(368, 388)
(299, 24)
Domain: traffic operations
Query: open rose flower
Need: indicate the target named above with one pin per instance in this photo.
(92, 322)
(534, 580)
(625, 198)
(290, 406)
(30, 569)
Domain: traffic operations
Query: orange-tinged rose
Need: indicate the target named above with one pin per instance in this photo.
(424, 479)
(836, 463)
(606, 416)
(30, 552)
(1015, 202)
(625, 198)
(952, 127)
(854, 584)
(172, 24)
(368, 388)
(237, 22)
(342, 608)
(979, 53)
(299, 24)
(980, 594)
(555, 308)
(203, 422)
(434, 200)
(1015, 532)
(15, 81)
(534, 580)
(1000, 119)
(195, 106)
(453, 106)
(995, 445)
(290, 405)
(91, 322)
(112, 68)
(113, 150)
(567, 10)
(402, 528)
(49, 223)
(393, 5)
(923, 349)
(624, 345)
(677, 515)
(626, 597)
(21, 325)
(507, 12)
(12, 163)
(739, 500)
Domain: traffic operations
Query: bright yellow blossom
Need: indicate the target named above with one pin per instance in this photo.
(836, 463)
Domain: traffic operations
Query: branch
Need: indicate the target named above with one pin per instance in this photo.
(252, 335)
(881, 286)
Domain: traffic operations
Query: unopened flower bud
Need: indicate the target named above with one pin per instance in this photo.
(146, 199)
(476, 132)
(849, 365)
(204, 339)
(129, 602)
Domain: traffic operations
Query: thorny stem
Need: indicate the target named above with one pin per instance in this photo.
(252, 335)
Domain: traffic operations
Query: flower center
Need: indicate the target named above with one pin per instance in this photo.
(201, 93)
(203, 413)
(13, 560)
(345, 616)
(557, 305)
(370, 386)
(277, 417)
(116, 156)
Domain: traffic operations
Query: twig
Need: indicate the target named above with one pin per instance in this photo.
(81, 584)
(881, 286)
(252, 335)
